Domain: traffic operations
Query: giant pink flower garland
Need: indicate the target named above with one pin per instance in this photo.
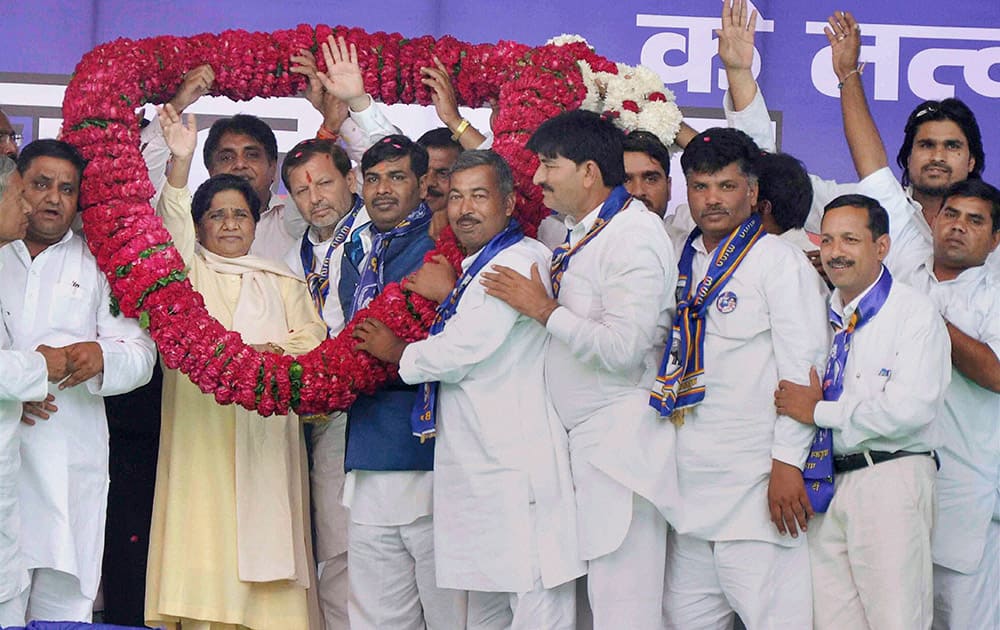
(146, 273)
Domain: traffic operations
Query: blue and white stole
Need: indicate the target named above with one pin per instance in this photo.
(318, 280)
(423, 421)
(617, 201)
(678, 383)
(371, 281)
(818, 471)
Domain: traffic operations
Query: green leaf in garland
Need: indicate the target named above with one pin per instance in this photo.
(144, 320)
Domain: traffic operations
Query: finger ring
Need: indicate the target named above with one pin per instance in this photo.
(840, 37)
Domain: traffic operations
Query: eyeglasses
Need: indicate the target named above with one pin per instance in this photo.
(13, 137)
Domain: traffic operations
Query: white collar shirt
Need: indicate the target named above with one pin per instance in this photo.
(768, 324)
(59, 298)
(895, 377)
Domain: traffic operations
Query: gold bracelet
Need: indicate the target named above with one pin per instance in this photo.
(462, 126)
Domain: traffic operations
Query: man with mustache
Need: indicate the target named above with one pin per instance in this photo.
(318, 176)
(750, 311)
(504, 510)
(442, 151)
(389, 472)
(612, 280)
(54, 294)
(954, 274)
(871, 468)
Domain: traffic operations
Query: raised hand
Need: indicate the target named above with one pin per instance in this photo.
(343, 77)
(196, 83)
(442, 93)
(334, 110)
(181, 138)
(844, 35)
(736, 35)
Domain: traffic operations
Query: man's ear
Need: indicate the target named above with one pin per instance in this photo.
(509, 203)
(764, 207)
(883, 243)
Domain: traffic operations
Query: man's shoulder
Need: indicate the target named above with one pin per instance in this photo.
(522, 254)
(906, 303)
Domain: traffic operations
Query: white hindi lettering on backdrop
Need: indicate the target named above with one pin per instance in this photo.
(884, 56)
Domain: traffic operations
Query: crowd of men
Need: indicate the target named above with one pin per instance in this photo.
(780, 402)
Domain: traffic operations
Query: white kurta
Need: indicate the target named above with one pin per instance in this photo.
(968, 484)
(59, 298)
(772, 327)
(615, 306)
(502, 481)
(23, 377)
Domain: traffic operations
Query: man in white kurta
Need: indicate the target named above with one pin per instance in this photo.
(607, 327)
(954, 275)
(54, 294)
(504, 508)
(738, 461)
(23, 377)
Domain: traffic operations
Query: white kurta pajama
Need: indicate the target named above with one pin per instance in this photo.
(773, 326)
(23, 377)
(615, 305)
(504, 511)
(967, 522)
(59, 298)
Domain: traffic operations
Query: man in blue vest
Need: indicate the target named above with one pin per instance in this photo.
(388, 487)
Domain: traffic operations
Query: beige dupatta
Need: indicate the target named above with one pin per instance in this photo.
(270, 498)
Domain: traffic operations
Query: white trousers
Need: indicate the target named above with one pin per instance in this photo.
(333, 592)
(392, 582)
(970, 600)
(766, 584)
(625, 587)
(50, 596)
(549, 608)
(871, 550)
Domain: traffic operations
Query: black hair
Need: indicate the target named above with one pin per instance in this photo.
(305, 150)
(581, 136)
(472, 159)
(243, 124)
(202, 199)
(878, 218)
(642, 141)
(783, 181)
(714, 149)
(949, 109)
(392, 148)
(53, 149)
(978, 189)
(439, 138)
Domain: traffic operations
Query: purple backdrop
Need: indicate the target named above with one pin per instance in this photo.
(916, 48)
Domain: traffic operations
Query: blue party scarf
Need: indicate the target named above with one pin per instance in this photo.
(318, 280)
(617, 201)
(818, 471)
(423, 420)
(678, 383)
(371, 282)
